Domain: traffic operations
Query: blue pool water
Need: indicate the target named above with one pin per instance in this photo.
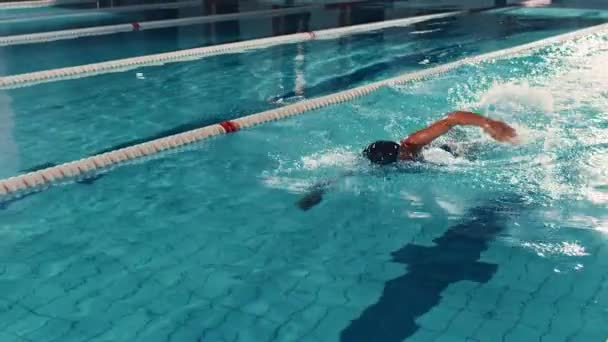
(61, 19)
(120, 108)
(101, 48)
(206, 244)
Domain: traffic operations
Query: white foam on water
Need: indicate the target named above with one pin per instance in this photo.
(295, 175)
(441, 157)
(515, 98)
(531, 110)
(331, 158)
(291, 184)
(543, 108)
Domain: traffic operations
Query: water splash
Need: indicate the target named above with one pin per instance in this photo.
(504, 99)
(291, 184)
(341, 157)
(439, 156)
(298, 175)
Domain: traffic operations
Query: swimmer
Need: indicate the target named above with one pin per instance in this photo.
(383, 152)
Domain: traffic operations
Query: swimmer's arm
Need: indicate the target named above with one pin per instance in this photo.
(497, 129)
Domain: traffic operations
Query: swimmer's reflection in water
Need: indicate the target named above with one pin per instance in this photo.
(383, 152)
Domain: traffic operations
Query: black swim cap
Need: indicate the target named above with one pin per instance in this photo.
(382, 152)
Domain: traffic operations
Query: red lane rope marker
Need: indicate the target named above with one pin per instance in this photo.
(230, 126)
(136, 26)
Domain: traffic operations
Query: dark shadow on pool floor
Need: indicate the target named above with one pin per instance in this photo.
(454, 258)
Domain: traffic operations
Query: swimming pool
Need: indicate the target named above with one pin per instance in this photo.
(86, 18)
(248, 25)
(207, 244)
(20, 24)
(120, 109)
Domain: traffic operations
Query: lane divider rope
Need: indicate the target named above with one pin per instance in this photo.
(42, 37)
(38, 180)
(97, 11)
(39, 3)
(27, 79)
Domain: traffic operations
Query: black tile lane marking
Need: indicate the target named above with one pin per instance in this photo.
(455, 257)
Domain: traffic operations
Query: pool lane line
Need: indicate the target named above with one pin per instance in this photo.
(38, 180)
(394, 315)
(37, 77)
(42, 37)
(98, 11)
(40, 3)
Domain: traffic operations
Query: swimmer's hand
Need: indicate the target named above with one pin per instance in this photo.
(315, 195)
(499, 130)
(311, 199)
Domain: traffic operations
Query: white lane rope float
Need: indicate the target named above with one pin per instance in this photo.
(36, 77)
(7, 20)
(38, 180)
(133, 8)
(41, 37)
(40, 3)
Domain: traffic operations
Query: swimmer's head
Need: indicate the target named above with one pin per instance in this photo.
(382, 152)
